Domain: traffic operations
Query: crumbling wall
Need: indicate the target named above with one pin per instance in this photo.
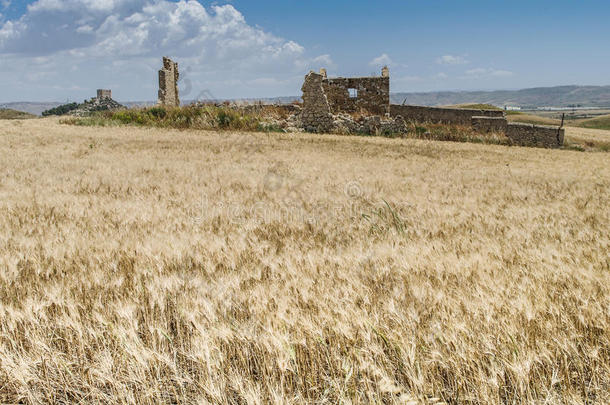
(316, 115)
(102, 93)
(520, 133)
(489, 124)
(535, 135)
(168, 84)
(353, 94)
(439, 115)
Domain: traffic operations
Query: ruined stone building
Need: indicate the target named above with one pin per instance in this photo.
(168, 84)
(353, 94)
(101, 94)
(324, 101)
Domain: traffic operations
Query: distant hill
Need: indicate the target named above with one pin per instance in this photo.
(561, 96)
(8, 114)
(32, 108)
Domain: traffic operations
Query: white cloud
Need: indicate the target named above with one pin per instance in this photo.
(408, 79)
(440, 76)
(501, 73)
(452, 60)
(324, 61)
(216, 42)
(382, 60)
(486, 73)
(477, 71)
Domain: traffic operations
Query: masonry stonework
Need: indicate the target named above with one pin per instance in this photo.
(168, 84)
(439, 115)
(102, 93)
(489, 124)
(355, 94)
(316, 115)
(535, 135)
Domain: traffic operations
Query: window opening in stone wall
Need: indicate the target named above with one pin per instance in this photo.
(353, 93)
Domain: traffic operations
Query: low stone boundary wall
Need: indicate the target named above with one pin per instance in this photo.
(489, 124)
(520, 133)
(441, 115)
(535, 135)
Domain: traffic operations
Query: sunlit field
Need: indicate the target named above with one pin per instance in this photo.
(164, 266)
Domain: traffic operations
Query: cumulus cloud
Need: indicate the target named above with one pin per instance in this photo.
(382, 60)
(485, 72)
(94, 35)
(324, 61)
(451, 60)
(140, 28)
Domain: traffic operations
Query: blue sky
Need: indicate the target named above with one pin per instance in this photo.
(65, 49)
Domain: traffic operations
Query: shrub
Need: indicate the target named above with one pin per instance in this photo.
(189, 117)
(61, 110)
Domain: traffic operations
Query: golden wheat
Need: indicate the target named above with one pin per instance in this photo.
(148, 266)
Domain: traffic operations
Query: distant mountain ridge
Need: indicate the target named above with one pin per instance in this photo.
(35, 108)
(559, 96)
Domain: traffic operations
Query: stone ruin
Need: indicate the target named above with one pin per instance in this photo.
(522, 134)
(328, 102)
(358, 94)
(168, 84)
(102, 93)
(316, 116)
(102, 102)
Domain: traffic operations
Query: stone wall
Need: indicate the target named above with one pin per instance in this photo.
(316, 115)
(520, 133)
(489, 124)
(439, 115)
(101, 93)
(354, 94)
(168, 84)
(535, 135)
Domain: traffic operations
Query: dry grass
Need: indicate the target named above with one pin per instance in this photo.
(475, 106)
(587, 139)
(148, 265)
(532, 119)
(601, 122)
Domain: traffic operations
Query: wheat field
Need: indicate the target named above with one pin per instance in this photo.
(160, 266)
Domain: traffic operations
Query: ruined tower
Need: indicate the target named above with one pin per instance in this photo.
(102, 93)
(385, 72)
(316, 116)
(168, 84)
